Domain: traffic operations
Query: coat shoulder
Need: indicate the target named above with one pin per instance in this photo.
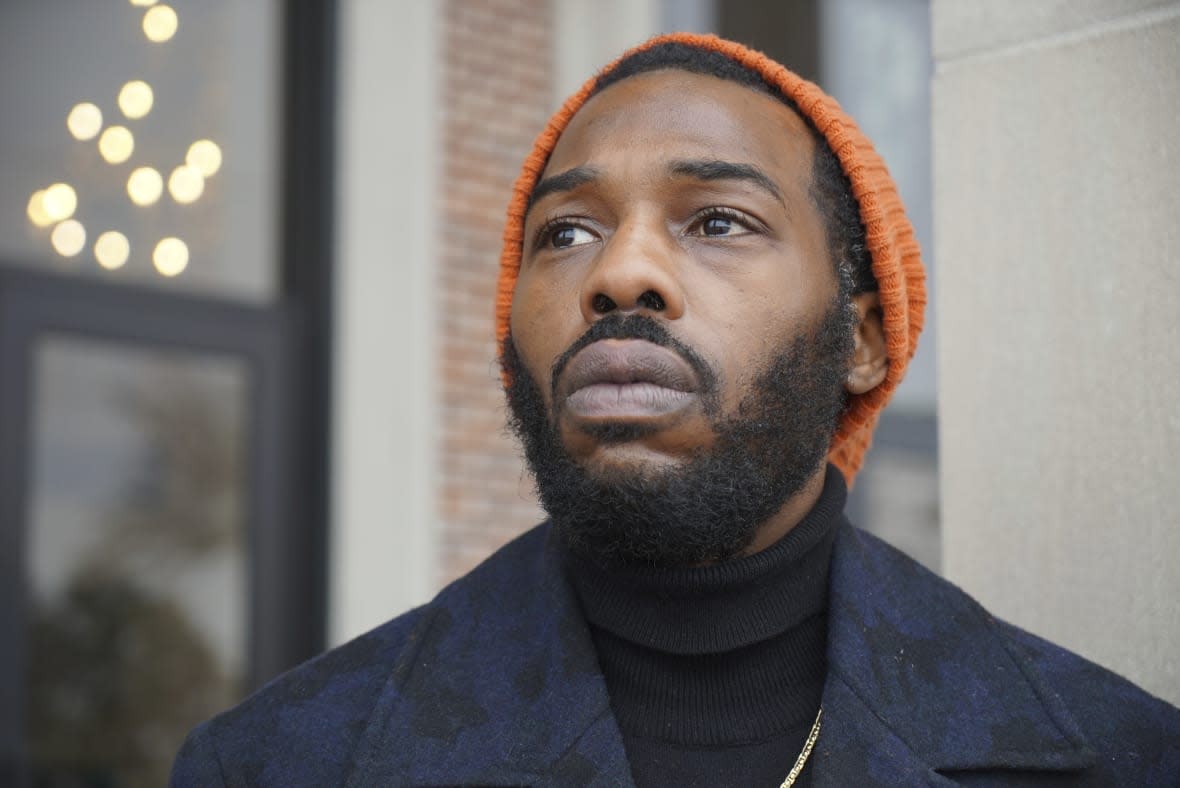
(1133, 736)
(300, 728)
(1133, 731)
(303, 727)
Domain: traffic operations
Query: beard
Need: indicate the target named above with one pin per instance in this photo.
(709, 508)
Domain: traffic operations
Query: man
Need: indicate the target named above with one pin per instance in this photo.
(708, 287)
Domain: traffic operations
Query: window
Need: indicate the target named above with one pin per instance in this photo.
(163, 370)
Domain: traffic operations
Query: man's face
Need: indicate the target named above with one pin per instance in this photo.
(674, 268)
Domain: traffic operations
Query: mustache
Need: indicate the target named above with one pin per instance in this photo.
(634, 326)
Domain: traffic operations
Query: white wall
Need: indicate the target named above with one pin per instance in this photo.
(1055, 176)
(383, 518)
(592, 33)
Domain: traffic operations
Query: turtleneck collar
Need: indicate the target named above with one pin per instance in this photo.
(724, 663)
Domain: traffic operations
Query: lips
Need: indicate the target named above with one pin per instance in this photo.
(626, 379)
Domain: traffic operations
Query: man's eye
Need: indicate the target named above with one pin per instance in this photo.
(719, 225)
(569, 235)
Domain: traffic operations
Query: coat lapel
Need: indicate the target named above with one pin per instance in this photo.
(500, 686)
(922, 683)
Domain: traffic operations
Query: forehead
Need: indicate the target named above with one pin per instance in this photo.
(678, 114)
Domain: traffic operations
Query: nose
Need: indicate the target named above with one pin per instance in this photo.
(637, 270)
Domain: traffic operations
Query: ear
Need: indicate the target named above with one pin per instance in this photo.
(869, 361)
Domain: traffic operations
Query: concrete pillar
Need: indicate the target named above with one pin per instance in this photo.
(1056, 194)
(384, 420)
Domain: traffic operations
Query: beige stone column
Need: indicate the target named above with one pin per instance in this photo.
(383, 533)
(1057, 236)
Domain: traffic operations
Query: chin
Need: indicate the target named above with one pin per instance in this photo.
(631, 459)
(629, 447)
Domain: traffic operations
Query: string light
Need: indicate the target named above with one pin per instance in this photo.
(135, 98)
(186, 184)
(56, 204)
(68, 237)
(205, 156)
(159, 23)
(59, 201)
(170, 256)
(84, 121)
(36, 210)
(116, 144)
(112, 250)
(144, 186)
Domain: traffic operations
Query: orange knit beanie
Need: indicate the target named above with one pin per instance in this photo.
(897, 262)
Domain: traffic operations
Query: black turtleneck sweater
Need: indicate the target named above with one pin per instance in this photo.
(715, 673)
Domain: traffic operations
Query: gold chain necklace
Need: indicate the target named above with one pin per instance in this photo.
(801, 761)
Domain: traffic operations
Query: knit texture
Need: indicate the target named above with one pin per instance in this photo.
(897, 262)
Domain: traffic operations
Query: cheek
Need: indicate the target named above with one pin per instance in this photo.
(540, 328)
(750, 322)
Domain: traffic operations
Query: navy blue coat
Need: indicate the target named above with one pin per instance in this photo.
(495, 682)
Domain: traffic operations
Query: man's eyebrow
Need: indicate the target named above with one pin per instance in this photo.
(717, 170)
(563, 182)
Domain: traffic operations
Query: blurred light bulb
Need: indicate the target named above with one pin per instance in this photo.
(205, 156)
(135, 98)
(143, 2)
(84, 121)
(112, 250)
(68, 237)
(159, 23)
(37, 213)
(60, 202)
(186, 184)
(170, 256)
(116, 144)
(144, 185)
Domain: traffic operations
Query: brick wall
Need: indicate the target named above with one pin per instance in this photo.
(497, 95)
